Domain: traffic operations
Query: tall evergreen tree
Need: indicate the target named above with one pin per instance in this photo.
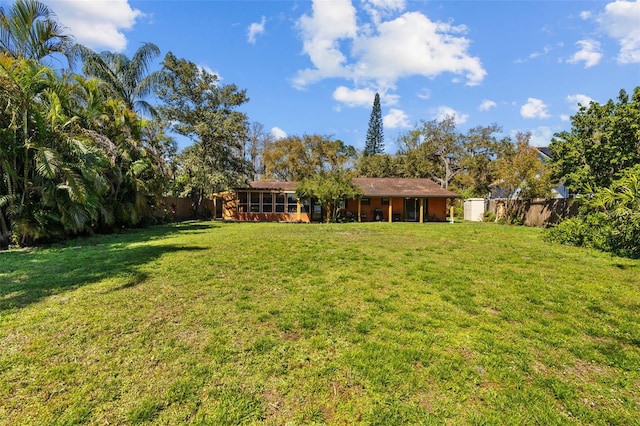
(375, 137)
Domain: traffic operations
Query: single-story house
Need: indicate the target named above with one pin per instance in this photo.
(383, 199)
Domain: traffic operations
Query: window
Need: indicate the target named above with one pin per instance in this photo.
(292, 203)
(385, 201)
(267, 202)
(365, 201)
(242, 202)
(255, 202)
(280, 199)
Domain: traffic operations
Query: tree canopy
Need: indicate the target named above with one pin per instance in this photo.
(296, 158)
(206, 111)
(328, 188)
(126, 79)
(30, 30)
(600, 160)
(603, 142)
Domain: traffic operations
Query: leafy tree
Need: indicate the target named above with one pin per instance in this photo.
(30, 30)
(521, 175)
(328, 187)
(205, 111)
(481, 148)
(296, 158)
(125, 79)
(49, 175)
(379, 166)
(375, 136)
(433, 150)
(603, 142)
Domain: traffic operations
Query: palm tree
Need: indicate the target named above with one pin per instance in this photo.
(42, 166)
(30, 30)
(125, 79)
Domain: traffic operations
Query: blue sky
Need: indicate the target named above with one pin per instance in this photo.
(314, 67)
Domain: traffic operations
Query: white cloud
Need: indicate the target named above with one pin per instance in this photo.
(278, 133)
(534, 108)
(330, 22)
(443, 112)
(379, 9)
(362, 97)
(255, 29)
(544, 51)
(486, 105)
(589, 53)
(621, 21)
(414, 45)
(536, 54)
(408, 45)
(585, 14)
(424, 94)
(97, 24)
(541, 136)
(396, 119)
(576, 99)
(355, 97)
(565, 117)
(388, 4)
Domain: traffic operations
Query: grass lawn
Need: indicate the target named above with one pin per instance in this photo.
(378, 323)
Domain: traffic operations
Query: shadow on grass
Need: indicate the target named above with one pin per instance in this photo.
(29, 276)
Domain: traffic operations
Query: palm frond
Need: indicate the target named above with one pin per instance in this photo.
(47, 163)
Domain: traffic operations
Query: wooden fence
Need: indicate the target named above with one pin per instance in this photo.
(539, 212)
(180, 209)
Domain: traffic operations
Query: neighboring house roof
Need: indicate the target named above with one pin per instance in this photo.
(402, 187)
(374, 187)
(546, 153)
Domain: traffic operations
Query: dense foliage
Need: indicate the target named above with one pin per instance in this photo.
(78, 156)
(296, 158)
(603, 142)
(328, 188)
(609, 219)
(600, 160)
(206, 112)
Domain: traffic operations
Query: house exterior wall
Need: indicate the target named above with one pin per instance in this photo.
(231, 209)
(437, 207)
(434, 207)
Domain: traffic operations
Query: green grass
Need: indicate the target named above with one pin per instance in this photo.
(380, 324)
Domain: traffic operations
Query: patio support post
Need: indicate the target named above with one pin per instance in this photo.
(421, 210)
(299, 208)
(359, 210)
(390, 209)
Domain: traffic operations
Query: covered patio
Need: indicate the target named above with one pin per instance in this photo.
(400, 200)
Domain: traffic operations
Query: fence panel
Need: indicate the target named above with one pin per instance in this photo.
(180, 209)
(539, 212)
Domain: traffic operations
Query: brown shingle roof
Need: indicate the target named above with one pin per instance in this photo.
(375, 187)
(402, 187)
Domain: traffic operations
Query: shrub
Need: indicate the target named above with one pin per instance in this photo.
(609, 220)
(488, 216)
